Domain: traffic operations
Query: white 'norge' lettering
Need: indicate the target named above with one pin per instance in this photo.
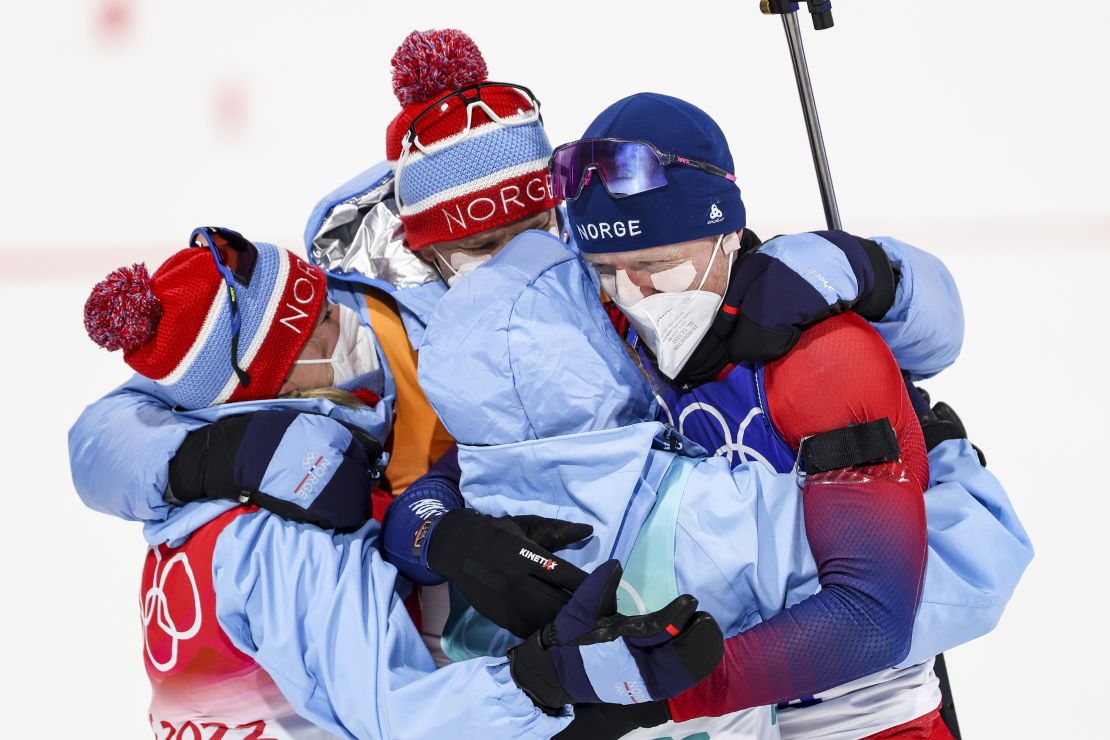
(489, 214)
(483, 209)
(614, 230)
(304, 293)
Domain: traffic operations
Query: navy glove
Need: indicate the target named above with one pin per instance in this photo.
(591, 654)
(785, 285)
(611, 721)
(792, 282)
(302, 466)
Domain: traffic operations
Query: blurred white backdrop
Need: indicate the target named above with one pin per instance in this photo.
(975, 130)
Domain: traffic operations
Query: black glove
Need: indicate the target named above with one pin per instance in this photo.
(770, 300)
(605, 721)
(504, 565)
(326, 481)
(941, 423)
(591, 654)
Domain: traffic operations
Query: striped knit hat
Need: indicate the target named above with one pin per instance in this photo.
(468, 182)
(176, 327)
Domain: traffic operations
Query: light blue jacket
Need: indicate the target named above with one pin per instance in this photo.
(591, 452)
(322, 614)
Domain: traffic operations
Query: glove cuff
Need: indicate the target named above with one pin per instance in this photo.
(649, 713)
(533, 670)
(449, 527)
(204, 465)
(877, 303)
(421, 541)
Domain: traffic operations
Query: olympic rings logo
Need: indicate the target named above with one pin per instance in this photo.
(155, 607)
(733, 446)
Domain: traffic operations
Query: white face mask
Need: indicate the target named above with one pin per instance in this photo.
(355, 354)
(671, 324)
(461, 265)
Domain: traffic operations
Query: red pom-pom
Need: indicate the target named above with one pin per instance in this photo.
(122, 311)
(436, 61)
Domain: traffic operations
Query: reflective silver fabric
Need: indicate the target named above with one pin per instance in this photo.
(364, 235)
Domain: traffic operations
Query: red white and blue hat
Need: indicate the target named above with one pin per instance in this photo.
(462, 179)
(176, 327)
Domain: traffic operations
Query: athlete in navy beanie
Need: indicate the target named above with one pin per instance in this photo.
(692, 205)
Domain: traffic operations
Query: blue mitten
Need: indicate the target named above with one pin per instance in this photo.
(794, 281)
(592, 654)
(779, 288)
(302, 466)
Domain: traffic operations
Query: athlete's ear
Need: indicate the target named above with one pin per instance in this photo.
(425, 254)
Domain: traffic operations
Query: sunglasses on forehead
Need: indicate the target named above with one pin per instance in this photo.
(481, 95)
(235, 258)
(624, 166)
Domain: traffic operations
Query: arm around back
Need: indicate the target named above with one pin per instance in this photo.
(120, 450)
(865, 526)
(925, 326)
(978, 551)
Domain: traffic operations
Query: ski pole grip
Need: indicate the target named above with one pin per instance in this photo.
(819, 10)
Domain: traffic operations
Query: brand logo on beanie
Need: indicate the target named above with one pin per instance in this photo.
(613, 230)
(716, 215)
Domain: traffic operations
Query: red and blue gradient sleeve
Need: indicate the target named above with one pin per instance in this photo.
(866, 529)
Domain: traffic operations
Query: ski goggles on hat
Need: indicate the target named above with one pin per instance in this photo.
(517, 103)
(625, 167)
(235, 260)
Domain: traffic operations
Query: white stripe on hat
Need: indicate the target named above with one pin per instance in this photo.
(229, 388)
(264, 328)
(489, 127)
(202, 338)
(475, 185)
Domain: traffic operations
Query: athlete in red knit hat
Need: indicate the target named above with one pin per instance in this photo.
(470, 154)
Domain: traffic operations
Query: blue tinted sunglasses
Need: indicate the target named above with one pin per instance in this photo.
(626, 167)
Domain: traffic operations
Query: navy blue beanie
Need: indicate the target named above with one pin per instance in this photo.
(693, 204)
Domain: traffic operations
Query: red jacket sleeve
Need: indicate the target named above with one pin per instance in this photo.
(866, 529)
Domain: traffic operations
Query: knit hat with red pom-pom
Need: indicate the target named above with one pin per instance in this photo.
(176, 327)
(465, 184)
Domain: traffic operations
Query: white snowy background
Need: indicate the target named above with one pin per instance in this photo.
(975, 130)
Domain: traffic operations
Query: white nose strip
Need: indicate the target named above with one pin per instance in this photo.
(676, 279)
(731, 244)
(460, 259)
(628, 293)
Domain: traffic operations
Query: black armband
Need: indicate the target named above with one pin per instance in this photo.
(869, 443)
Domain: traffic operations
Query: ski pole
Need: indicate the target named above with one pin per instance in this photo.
(821, 13)
(822, 18)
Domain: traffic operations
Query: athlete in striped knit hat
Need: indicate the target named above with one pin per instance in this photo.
(224, 320)
(470, 155)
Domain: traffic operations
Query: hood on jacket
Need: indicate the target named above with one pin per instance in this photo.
(522, 350)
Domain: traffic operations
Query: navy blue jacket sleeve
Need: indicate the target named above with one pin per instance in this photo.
(431, 495)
